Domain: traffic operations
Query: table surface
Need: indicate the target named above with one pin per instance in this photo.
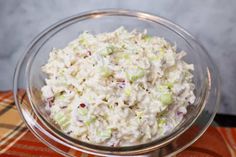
(212, 22)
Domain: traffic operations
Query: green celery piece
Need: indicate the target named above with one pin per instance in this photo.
(124, 56)
(82, 111)
(65, 124)
(109, 50)
(166, 99)
(162, 88)
(169, 84)
(155, 58)
(62, 119)
(83, 42)
(147, 37)
(105, 71)
(127, 91)
(110, 106)
(61, 97)
(139, 73)
(105, 134)
(91, 120)
(161, 121)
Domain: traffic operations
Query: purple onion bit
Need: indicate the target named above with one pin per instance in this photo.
(50, 101)
(179, 113)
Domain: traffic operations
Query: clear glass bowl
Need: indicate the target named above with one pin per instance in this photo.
(29, 79)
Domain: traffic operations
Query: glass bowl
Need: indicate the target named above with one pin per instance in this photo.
(29, 79)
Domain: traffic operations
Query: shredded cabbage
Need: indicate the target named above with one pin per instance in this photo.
(118, 88)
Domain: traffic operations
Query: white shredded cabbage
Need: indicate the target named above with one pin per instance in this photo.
(119, 88)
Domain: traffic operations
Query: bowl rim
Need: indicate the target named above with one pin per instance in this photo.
(111, 12)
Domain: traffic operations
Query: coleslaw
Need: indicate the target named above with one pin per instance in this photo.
(119, 88)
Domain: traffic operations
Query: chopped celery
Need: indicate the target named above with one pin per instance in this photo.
(61, 97)
(161, 121)
(105, 134)
(83, 42)
(109, 50)
(147, 37)
(58, 116)
(82, 39)
(69, 108)
(169, 85)
(155, 58)
(125, 56)
(63, 120)
(127, 91)
(166, 99)
(162, 50)
(110, 106)
(105, 71)
(136, 74)
(61, 71)
(82, 111)
(162, 88)
(116, 59)
(91, 120)
(90, 98)
(166, 96)
(123, 47)
(79, 92)
(65, 124)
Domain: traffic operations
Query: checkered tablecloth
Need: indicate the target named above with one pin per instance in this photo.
(16, 140)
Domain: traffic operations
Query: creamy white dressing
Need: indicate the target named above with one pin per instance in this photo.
(118, 88)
